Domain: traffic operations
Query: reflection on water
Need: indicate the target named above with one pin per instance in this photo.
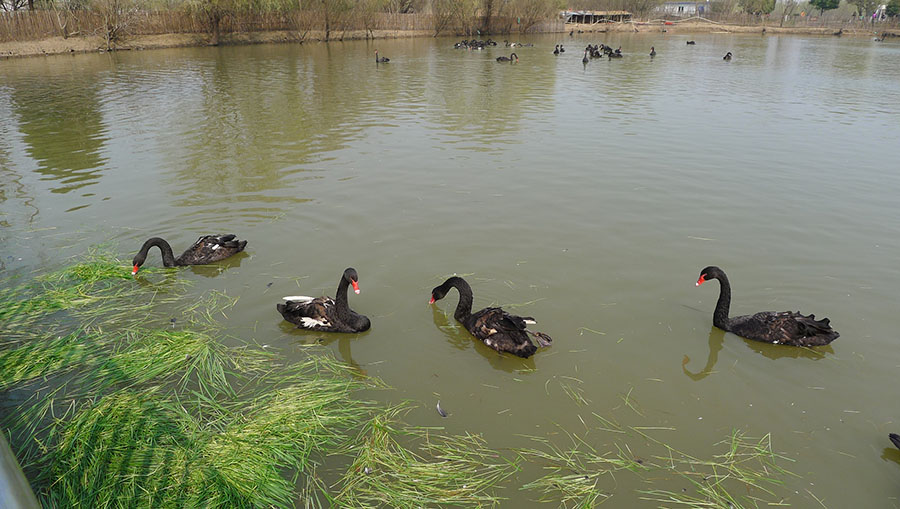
(62, 125)
(717, 340)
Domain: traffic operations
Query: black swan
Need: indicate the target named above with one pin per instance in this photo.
(727, 56)
(652, 51)
(895, 438)
(585, 59)
(381, 60)
(691, 42)
(510, 58)
(779, 328)
(556, 51)
(561, 49)
(207, 249)
(324, 313)
(496, 328)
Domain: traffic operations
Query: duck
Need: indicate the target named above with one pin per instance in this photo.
(895, 438)
(727, 56)
(512, 57)
(556, 50)
(324, 313)
(208, 249)
(652, 51)
(493, 326)
(778, 328)
(381, 60)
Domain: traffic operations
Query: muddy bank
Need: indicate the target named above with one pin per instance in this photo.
(59, 45)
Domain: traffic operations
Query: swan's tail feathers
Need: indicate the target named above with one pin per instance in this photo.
(820, 330)
(542, 339)
(895, 438)
(298, 298)
(529, 320)
(226, 238)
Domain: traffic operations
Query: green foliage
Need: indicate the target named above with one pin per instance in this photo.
(893, 8)
(824, 5)
(757, 7)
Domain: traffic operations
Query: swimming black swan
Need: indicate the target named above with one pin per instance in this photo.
(382, 60)
(561, 49)
(496, 328)
(652, 51)
(556, 50)
(324, 313)
(895, 438)
(779, 328)
(207, 249)
(585, 59)
(510, 58)
(691, 42)
(727, 56)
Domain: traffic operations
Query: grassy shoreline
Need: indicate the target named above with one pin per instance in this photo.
(89, 44)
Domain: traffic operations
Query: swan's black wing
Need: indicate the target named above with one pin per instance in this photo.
(784, 328)
(895, 438)
(309, 313)
(211, 248)
(503, 332)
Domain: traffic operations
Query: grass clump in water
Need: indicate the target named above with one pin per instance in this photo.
(445, 469)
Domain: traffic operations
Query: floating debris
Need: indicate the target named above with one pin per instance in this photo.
(440, 410)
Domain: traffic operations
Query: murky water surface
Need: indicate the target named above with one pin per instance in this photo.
(588, 197)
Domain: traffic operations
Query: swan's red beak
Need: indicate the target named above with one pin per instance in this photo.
(701, 280)
(355, 287)
(134, 270)
(432, 300)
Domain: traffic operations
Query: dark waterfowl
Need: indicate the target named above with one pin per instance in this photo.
(585, 59)
(727, 56)
(652, 51)
(207, 249)
(779, 328)
(324, 313)
(512, 57)
(691, 42)
(895, 438)
(381, 60)
(496, 328)
(562, 49)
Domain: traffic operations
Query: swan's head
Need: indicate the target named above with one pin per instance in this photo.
(352, 278)
(711, 272)
(437, 294)
(139, 260)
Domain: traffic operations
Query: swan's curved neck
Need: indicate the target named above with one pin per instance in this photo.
(464, 307)
(164, 247)
(720, 315)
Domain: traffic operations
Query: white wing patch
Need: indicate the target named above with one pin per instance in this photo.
(216, 247)
(313, 323)
(530, 322)
(298, 298)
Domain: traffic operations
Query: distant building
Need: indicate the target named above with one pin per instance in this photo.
(684, 9)
(591, 17)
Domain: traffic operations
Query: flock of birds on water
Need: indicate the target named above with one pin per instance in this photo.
(499, 330)
(590, 51)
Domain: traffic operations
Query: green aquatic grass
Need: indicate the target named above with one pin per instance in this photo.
(109, 404)
(455, 470)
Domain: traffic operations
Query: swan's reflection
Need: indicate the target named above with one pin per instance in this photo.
(716, 341)
(774, 352)
(326, 338)
(891, 454)
(460, 338)
(215, 269)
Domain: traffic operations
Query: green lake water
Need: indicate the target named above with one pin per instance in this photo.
(586, 196)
